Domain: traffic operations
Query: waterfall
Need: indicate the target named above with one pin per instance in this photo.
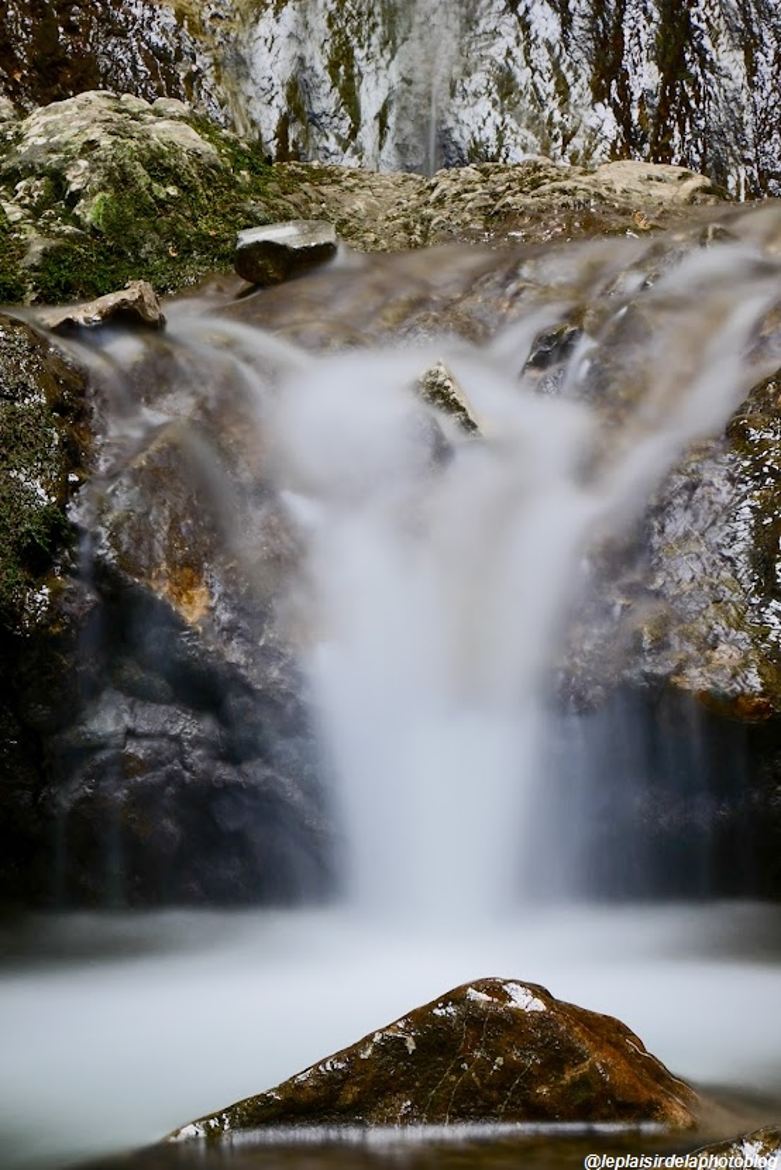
(434, 569)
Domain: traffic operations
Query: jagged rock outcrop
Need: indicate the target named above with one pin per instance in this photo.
(101, 190)
(413, 84)
(492, 1051)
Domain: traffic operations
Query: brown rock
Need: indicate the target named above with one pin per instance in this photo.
(492, 1051)
(137, 303)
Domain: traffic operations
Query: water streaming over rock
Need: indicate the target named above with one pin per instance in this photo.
(421, 611)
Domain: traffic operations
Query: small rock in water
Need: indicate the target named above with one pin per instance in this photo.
(439, 388)
(270, 255)
(137, 303)
(492, 1051)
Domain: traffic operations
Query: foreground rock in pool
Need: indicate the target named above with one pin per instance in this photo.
(491, 1051)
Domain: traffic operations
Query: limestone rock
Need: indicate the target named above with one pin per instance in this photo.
(137, 303)
(270, 255)
(318, 80)
(491, 1051)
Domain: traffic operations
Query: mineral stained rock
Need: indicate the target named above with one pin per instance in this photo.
(496, 1050)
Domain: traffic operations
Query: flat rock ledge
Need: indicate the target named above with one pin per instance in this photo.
(273, 254)
(497, 1051)
(136, 304)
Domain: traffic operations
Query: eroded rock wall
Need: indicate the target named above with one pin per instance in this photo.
(412, 84)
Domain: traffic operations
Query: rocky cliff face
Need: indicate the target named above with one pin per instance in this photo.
(412, 84)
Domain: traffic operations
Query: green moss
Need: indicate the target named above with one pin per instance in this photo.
(42, 412)
(156, 221)
(13, 286)
(343, 74)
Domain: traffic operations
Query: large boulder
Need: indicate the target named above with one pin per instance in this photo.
(492, 1051)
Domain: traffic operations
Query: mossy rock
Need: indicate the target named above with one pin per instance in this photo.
(43, 440)
(106, 189)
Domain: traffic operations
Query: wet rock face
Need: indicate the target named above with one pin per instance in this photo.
(44, 442)
(574, 79)
(492, 1051)
(53, 50)
(187, 773)
(154, 746)
(583, 81)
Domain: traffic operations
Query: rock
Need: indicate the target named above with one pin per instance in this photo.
(760, 1150)
(359, 91)
(536, 201)
(136, 303)
(185, 770)
(271, 255)
(440, 389)
(44, 446)
(102, 189)
(491, 1051)
(43, 441)
(54, 51)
